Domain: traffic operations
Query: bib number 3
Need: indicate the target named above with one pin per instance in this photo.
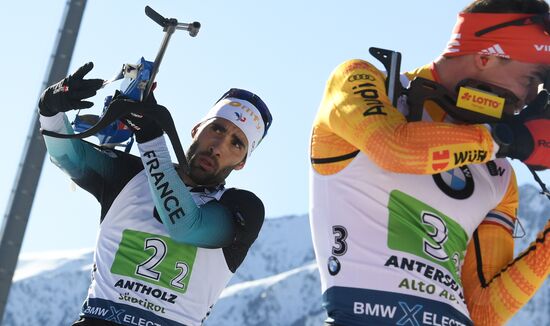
(438, 235)
(340, 235)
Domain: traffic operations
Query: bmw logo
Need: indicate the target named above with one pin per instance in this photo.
(457, 183)
(333, 265)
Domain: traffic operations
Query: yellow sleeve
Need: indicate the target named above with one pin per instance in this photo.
(495, 284)
(356, 114)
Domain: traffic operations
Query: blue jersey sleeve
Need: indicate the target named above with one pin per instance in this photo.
(101, 172)
(210, 225)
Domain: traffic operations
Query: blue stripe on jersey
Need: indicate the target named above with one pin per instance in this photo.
(354, 307)
(124, 314)
(501, 219)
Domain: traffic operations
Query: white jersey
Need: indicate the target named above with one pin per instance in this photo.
(141, 276)
(389, 246)
(153, 264)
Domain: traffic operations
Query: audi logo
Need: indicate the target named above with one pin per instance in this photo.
(357, 77)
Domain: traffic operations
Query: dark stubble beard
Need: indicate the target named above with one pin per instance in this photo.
(201, 177)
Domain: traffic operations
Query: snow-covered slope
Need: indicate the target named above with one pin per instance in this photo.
(290, 298)
(48, 289)
(284, 243)
(278, 283)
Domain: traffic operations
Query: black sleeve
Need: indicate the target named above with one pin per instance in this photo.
(248, 211)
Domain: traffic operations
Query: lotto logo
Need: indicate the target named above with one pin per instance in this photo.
(481, 102)
(479, 99)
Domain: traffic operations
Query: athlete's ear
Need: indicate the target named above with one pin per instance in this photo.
(483, 62)
(240, 165)
(195, 129)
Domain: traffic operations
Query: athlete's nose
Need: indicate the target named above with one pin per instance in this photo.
(215, 147)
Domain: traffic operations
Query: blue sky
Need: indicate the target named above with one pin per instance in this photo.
(282, 50)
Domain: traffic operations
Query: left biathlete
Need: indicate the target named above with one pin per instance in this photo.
(169, 241)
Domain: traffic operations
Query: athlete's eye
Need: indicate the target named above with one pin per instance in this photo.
(238, 144)
(217, 128)
(532, 81)
(536, 79)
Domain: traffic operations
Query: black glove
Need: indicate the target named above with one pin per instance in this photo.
(527, 138)
(537, 108)
(144, 128)
(69, 92)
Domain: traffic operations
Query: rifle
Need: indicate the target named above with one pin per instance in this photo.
(138, 82)
(421, 90)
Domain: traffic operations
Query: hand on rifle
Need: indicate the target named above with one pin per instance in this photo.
(527, 138)
(144, 127)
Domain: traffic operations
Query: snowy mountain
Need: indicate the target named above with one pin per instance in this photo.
(278, 283)
(48, 288)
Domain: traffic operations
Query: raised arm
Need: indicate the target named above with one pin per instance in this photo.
(356, 114)
(101, 172)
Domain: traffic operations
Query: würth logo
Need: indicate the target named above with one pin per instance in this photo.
(473, 156)
(440, 160)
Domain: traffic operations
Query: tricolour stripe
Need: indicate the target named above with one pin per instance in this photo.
(504, 220)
